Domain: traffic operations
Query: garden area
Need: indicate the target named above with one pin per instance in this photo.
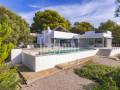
(105, 77)
(15, 33)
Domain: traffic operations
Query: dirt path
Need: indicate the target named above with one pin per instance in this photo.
(64, 80)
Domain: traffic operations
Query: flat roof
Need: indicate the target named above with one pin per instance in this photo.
(89, 34)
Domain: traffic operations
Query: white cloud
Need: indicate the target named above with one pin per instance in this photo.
(28, 16)
(34, 6)
(95, 11)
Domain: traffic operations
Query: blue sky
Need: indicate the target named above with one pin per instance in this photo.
(94, 11)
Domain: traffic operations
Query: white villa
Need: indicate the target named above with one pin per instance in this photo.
(63, 47)
(53, 38)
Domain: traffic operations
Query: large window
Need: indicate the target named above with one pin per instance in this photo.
(91, 41)
(98, 40)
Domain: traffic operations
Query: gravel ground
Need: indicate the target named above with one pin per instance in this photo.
(66, 79)
(106, 61)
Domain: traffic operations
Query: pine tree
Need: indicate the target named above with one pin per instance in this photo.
(5, 46)
(117, 11)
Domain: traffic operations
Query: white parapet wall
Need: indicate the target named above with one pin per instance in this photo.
(39, 63)
(115, 51)
(16, 56)
(29, 61)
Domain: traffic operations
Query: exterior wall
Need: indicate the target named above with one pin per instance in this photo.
(109, 51)
(64, 35)
(46, 36)
(16, 56)
(39, 40)
(92, 34)
(115, 51)
(40, 63)
(108, 42)
(29, 61)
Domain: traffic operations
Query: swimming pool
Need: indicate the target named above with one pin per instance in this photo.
(70, 50)
(46, 61)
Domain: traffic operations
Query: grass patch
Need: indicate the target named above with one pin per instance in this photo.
(106, 77)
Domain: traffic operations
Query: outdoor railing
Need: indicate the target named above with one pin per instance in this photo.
(55, 50)
(115, 45)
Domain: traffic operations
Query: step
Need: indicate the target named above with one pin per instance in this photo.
(104, 52)
(68, 65)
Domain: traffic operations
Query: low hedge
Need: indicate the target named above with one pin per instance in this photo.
(108, 78)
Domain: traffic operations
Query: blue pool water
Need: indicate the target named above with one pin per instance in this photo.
(68, 51)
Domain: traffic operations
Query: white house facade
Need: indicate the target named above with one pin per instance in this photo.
(52, 38)
(68, 47)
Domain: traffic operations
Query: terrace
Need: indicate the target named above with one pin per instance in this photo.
(46, 58)
(58, 47)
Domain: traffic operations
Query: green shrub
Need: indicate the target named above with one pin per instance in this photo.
(108, 84)
(115, 76)
(108, 78)
(93, 71)
(8, 78)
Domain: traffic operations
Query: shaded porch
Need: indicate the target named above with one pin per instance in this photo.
(95, 42)
(56, 42)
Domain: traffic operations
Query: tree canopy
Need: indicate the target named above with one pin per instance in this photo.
(10, 30)
(48, 18)
(113, 27)
(81, 27)
(13, 30)
(19, 28)
(5, 46)
(108, 25)
(117, 11)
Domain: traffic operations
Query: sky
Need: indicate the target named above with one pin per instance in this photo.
(93, 11)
